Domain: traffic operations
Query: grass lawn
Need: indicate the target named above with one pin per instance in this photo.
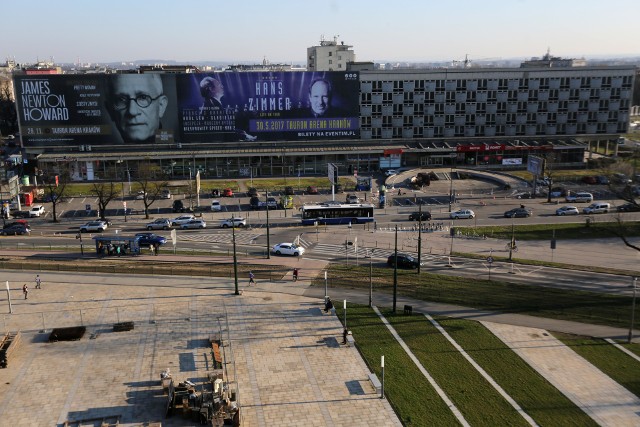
(579, 306)
(622, 368)
(562, 231)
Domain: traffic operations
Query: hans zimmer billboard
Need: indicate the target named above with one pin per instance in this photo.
(187, 108)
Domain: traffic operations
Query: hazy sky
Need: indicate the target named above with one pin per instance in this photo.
(281, 30)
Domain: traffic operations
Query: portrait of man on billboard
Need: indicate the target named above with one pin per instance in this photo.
(321, 102)
(136, 104)
(212, 91)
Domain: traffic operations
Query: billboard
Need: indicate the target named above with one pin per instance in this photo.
(188, 108)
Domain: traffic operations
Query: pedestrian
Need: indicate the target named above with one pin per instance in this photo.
(152, 248)
(328, 305)
(25, 291)
(118, 250)
(251, 278)
(38, 282)
(295, 274)
(156, 249)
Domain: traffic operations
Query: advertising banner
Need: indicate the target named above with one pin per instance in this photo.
(187, 108)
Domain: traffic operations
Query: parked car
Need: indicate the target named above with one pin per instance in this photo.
(390, 172)
(36, 210)
(148, 239)
(420, 216)
(216, 206)
(159, 224)
(98, 226)
(288, 191)
(518, 213)
(234, 222)
(629, 207)
(462, 214)
(312, 190)
(178, 206)
(140, 195)
(602, 179)
(253, 192)
(15, 229)
(165, 194)
(404, 261)
(579, 197)
(621, 178)
(558, 192)
(48, 198)
(182, 219)
(352, 198)
(20, 214)
(525, 195)
(287, 249)
(227, 192)
(18, 221)
(567, 210)
(596, 208)
(194, 223)
(590, 180)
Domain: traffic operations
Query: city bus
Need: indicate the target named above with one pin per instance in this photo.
(337, 213)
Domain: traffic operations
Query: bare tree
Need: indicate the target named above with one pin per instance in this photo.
(8, 114)
(55, 187)
(549, 172)
(150, 189)
(105, 192)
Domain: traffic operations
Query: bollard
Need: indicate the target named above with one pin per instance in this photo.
(44, 328)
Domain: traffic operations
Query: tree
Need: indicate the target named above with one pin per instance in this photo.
(55, 186)
(151, 190)
(105, 193)
(549, 170)
(8, 114)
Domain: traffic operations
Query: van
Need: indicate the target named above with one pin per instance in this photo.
(598, 207)
(580, 197)
(215, 206)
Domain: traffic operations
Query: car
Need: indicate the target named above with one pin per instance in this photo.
(525, 195)
(182, 219)
(254, 202)
(288, 191)
(106, 221)
(518, 213)
(36, 211)
(287, 249)
(543, 182)
(165, 194)
(98, 226)
(178, 206)
(148, 239)
(216, 206)
(578, 197)
(20, 214)
(567, 210)
(15, 229)
(352, 198)
(629, 207)
(23, 222)
(233, 222)
(404, 261)
(227, 192)
(591, 180)
(252, 192)
(312, 190)
(621, 178)
(140, 195)
(390, 172)
(194, 223)
(462, 214)
(159, 224)
(558, 192)
(48, 198)
(596, 208)
(272, 203)
(420, 216)
(603, 179)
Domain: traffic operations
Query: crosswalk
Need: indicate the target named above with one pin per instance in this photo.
(222, 238)
(341, 252)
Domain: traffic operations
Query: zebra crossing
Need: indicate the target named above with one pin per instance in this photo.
(341, 251)
(222, 238)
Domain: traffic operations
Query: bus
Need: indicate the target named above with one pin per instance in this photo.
(337, 213)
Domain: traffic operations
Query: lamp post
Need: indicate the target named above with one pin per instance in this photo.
(344, 307)
(325, 287)
(235, 259)
(370, 279)
(453, 156)
(513, 239)
(419, 237)
(382, 366)
(633, 310)
(395, 273)
(268, 244)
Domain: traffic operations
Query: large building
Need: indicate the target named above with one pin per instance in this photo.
(480, 118)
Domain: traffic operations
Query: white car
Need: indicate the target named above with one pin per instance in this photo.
(140, 195)
(234, 222)
(194, 223)
(36, 211)
(216, 206)
(182, 219)
(462, 214)
(166, 194)
(390, 172)
(98, 226)
(567, 210)
(287, 249)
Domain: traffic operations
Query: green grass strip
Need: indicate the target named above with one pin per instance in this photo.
(478, 401)
(408, 391)
(541, 400)
(616, 364)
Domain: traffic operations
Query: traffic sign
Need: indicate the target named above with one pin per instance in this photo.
(490, 259)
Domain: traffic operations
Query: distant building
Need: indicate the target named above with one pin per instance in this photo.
(168, 69)
(548, 61)
(329, 56)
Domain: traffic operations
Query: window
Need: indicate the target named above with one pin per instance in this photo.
(331, 61)
(330, 53)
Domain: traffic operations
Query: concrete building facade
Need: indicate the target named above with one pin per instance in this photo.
(330, 56)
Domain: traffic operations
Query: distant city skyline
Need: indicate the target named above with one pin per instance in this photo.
(198, 31)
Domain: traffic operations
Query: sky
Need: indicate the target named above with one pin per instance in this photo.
(246, 31)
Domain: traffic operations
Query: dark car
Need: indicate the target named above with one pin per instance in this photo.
(255, 202)
(20, 214)
(602, 179)
(404, 261)
(148, 239)
(178, 206)
(288, 191)
(23, 222)
(420, 216)
(253, 192)
(312, 190)
(517, 213)
(629, 207)
(15, 229)
(47, 198)
(590, 179)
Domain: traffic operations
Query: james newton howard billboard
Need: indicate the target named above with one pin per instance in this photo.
(187, 108)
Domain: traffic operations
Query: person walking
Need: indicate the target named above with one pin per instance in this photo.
(38, 282)
(251, 278)
(25, 291)
(295, 274)
(152, 248)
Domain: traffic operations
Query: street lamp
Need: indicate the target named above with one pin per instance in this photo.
(633, 310)
(453, 156)
(395, 273)
(268, 244)
(235, 258)
(370, 278)
(419, 237)
(325, 287)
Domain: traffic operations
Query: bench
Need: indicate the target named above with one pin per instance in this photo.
(375, 382)
(8, 345)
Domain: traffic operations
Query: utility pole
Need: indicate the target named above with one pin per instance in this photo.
(419, 237)
(395, 273)
(633, 311)
(268, 244)
(235, 258)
